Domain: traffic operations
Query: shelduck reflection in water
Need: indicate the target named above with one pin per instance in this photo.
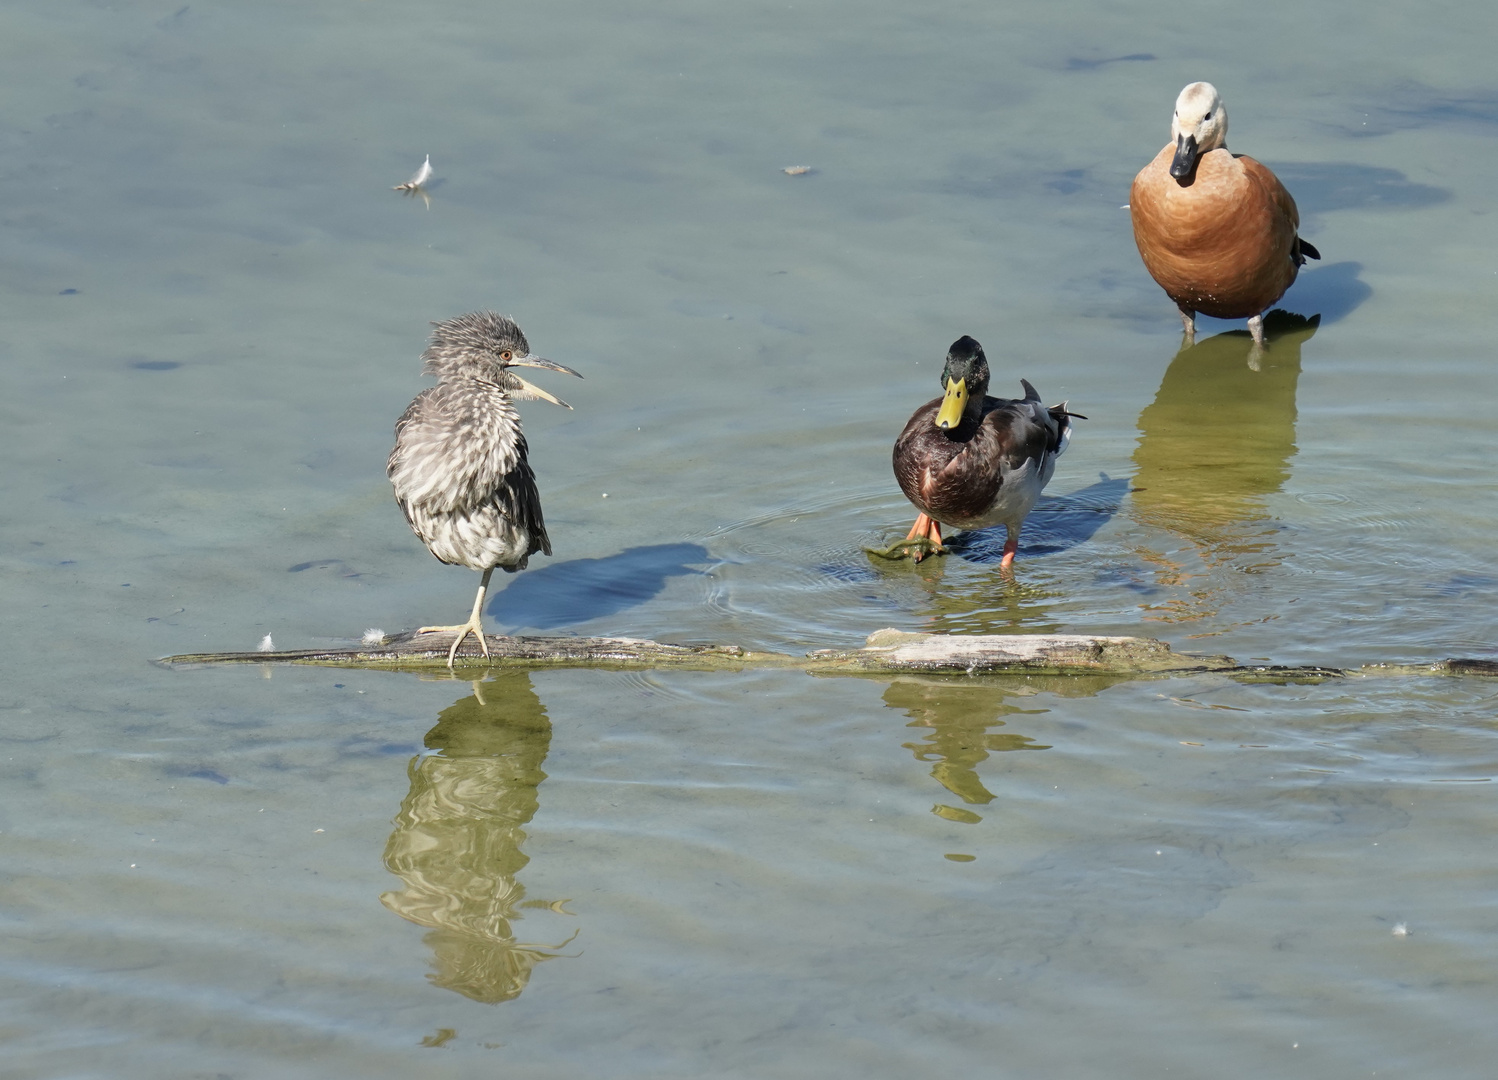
(1214, 445)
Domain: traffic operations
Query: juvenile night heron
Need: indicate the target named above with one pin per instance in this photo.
(459, 466)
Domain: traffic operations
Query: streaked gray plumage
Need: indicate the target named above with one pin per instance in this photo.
(459, 464)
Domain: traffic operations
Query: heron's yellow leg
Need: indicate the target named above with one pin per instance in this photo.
(474, 625)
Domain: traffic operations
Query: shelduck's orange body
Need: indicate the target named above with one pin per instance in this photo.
(1217, 231)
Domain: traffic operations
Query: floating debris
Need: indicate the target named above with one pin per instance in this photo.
(796, 170)
(266, 645)
(1401, 930)
(374, 636)
(417, 182)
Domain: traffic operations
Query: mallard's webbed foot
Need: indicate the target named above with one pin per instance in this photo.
(923, 539)
(915, 550)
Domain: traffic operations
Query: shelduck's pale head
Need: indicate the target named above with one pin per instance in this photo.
(1200, 124)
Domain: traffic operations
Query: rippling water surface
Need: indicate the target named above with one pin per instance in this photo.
(214, 304)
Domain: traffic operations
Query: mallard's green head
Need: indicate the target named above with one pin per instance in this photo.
(965, 379)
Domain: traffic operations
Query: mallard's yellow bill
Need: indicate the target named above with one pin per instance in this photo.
(953, 405)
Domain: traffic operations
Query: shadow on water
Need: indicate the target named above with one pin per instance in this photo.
(1414, 105)
(1078, 63)
(582, 589)
(1216, 441)
(1058, 523)
(1322, 186)
(956, 718)
(1003, 602)
(1335, 291)
(457, 838)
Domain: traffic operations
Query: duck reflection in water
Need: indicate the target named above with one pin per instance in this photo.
(1216, 442)
(958, 716)
(993, 604)
(457, 838)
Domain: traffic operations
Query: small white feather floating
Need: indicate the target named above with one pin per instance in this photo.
(266, 645)
(374, 636)
(417, 182)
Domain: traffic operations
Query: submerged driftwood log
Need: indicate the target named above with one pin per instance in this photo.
(886, 652)
(409, 651)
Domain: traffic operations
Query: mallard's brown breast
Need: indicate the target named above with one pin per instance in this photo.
(953, 477)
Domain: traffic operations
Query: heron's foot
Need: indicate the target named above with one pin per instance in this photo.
(472, 626)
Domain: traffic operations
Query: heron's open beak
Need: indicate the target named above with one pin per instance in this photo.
(529, 389)
(952, 405)
(1185, 160)
(536, 361)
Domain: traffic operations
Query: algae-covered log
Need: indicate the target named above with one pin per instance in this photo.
(886, 651)
(410, 651)
(1049, 654)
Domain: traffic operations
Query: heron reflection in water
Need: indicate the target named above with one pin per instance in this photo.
(457, 838)
(1215, 443)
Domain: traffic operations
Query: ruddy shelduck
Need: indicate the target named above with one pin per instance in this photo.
(1216, 230)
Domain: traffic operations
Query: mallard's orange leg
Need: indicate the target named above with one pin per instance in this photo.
(474, 625)
(1011, 547)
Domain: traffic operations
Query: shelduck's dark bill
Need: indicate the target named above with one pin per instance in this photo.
(1184, 163)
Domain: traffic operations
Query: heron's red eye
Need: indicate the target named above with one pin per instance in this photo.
(506, 355)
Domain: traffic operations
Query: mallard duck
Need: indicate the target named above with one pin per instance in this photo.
(971, 461)
(459, 465)
(1216, 230)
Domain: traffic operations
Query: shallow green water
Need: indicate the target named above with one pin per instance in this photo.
(214, 308)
